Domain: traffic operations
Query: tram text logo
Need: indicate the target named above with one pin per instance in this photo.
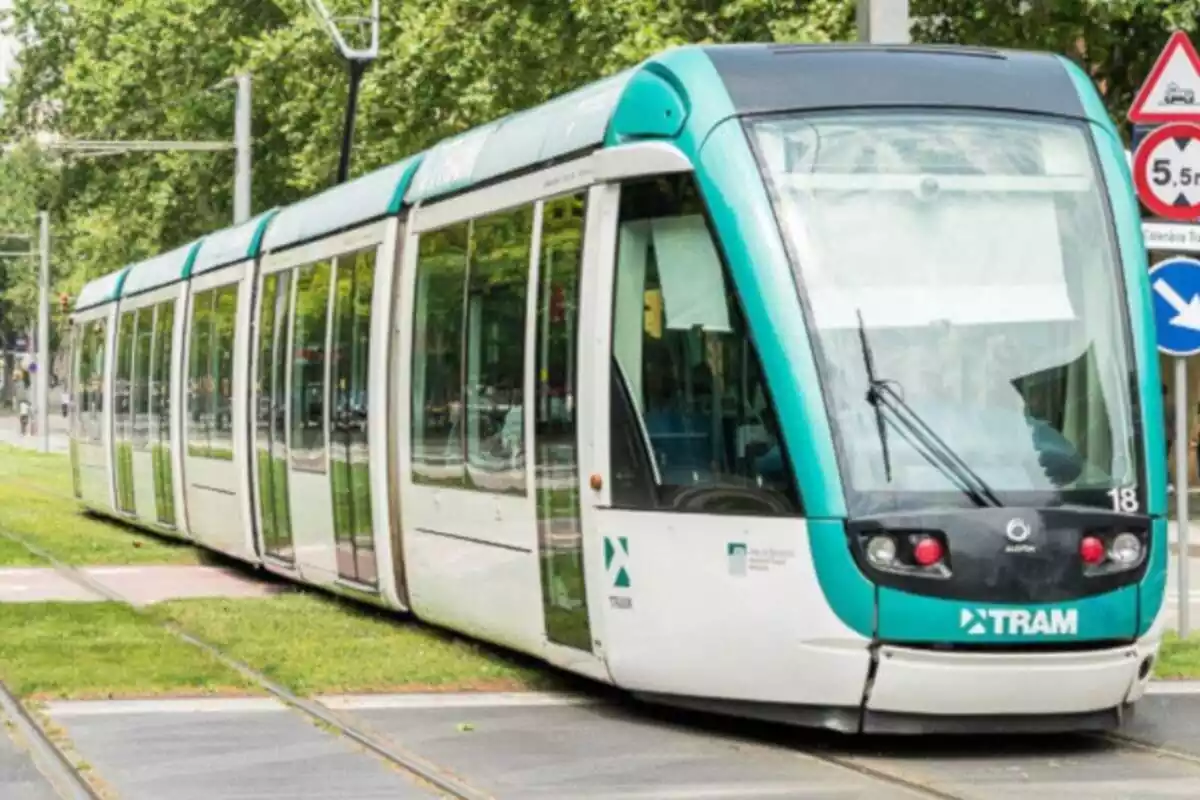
(1004, 622)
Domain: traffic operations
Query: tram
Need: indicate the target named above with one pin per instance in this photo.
(814, 384)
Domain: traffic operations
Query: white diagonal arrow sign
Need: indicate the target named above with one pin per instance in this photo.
(1187, 312)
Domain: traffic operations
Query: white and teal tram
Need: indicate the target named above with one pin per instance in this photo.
(815, 384)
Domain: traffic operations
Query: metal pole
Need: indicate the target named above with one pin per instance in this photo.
(883, 21)
(1181, 494)
(357, 68)
(42, 379)
(243, 143)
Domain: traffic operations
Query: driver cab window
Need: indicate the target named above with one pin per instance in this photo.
(693, 425)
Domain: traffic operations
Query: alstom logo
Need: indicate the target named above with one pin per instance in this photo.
(1003, 622)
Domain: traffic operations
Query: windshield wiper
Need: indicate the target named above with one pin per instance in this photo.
(872, 396)
(909, 424)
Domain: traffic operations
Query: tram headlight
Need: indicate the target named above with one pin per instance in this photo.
(1125, 549)
(881, 550)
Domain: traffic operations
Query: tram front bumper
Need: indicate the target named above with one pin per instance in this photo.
(921, 682)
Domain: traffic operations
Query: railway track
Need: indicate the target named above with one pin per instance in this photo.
(345, 724)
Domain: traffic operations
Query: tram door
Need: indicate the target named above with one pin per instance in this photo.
(556, 448)
(271, 447)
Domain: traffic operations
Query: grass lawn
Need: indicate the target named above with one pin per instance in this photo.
(36, 503)
(1179, 658)
(102, 650)
(314, 645)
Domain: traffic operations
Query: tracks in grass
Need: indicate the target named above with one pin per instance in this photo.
(343, 723)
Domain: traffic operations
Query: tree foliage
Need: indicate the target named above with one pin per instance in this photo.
(160, 69)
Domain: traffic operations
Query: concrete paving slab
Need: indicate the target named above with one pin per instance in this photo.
(1036, 768)
(199, 750)
(1170, 721)
(600, 751)
(155, 584)
(19, 777)
(41, 585)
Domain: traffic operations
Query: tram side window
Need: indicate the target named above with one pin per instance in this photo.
(224, 322)
(437, 391)
(692, 423)
(143, 339)
(495, 355)
(199, 391)
(210, 374)
(91, 383)
(308, 367)
(122, 410)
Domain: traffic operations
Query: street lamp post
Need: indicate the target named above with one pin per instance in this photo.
(359, 59)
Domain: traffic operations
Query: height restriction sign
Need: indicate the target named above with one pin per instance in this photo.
(1166, 171)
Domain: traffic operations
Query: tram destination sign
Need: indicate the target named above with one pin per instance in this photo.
(1166, 171)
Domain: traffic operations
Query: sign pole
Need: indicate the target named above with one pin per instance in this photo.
(1181, 495)
(42, 378)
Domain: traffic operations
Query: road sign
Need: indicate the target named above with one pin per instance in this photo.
(1171, 93)
(1171, 237)
(1176, 287)
(1166, 171)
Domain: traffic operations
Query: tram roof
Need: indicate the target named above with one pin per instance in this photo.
(373, 196)
(571, 123)
(229, 246)
(864, 76)
(161, 270)
(103, 290)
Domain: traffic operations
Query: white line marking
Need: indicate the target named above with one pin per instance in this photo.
(454, 700)
(228, 705)
(1173, 687)
(181, 705)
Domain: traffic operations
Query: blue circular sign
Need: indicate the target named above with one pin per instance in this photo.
(1175, 287)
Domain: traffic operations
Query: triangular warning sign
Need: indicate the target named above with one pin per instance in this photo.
(1171, 93)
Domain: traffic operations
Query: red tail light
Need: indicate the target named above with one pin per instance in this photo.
(927, 552)
(1091, 550)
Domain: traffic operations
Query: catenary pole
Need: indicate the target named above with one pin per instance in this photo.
(883, 21)
(42, 378)
(242, 142)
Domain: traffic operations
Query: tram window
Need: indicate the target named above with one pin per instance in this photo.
(160, 396)
(687, 379)
(495, 355)
(143, 340)
(224, 322)
(210, 374)
(308, 367)
(99, 356)
(123, 407)
(437, 391)
(81, 416)
(91, 383)
(157, 391)
(199, 389)
(349, 446)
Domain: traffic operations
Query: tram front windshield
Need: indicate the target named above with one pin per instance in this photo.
(963, 285)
